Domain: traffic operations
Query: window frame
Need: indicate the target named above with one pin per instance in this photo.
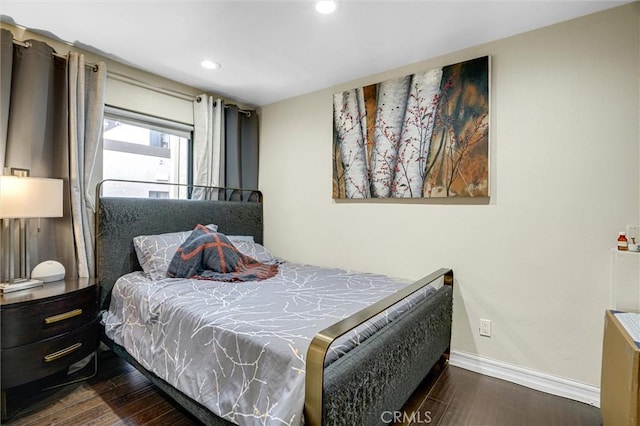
(159, 124)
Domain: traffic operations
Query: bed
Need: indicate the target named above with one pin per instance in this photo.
(347, 368)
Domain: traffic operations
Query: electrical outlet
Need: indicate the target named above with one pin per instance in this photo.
(485, 327)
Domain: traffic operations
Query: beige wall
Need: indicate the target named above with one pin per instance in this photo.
(564, 180)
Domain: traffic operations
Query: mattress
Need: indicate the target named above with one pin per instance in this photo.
(239, 348)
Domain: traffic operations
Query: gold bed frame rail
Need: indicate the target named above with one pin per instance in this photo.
(314, 380)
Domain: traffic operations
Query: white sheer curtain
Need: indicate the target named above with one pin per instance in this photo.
(208, 145)
(86, 111)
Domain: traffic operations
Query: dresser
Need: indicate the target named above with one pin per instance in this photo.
(44, 330)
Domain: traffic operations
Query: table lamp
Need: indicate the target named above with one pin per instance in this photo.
(23, 198)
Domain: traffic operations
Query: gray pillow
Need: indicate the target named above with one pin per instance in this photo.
(156, 251)
(254, 250)
(240, 237)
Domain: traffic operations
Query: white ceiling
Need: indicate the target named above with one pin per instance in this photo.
(273, 50)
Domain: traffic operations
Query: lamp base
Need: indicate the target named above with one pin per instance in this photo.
(19, 284)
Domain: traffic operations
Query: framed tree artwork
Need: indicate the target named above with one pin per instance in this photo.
(424, 135)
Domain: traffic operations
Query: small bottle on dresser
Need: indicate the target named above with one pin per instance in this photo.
(623, 244)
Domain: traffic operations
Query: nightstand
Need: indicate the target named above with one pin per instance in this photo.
(43, 331)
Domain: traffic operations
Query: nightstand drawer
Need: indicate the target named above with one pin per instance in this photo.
(30, 323)
(26, 363)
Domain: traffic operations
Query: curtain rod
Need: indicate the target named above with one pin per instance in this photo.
(124, 78)
(27, 45)
(134, 81)
(242, 111)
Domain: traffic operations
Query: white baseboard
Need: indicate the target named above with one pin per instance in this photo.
(529, 378)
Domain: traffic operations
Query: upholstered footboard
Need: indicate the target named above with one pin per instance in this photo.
(380, 375)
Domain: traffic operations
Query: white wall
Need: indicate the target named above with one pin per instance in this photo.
(564, 180)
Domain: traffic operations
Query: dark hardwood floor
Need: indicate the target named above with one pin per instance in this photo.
(119, 395)
(455, 396)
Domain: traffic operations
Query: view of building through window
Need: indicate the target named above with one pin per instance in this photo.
(144, 153)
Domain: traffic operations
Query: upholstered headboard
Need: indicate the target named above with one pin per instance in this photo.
(119, 220)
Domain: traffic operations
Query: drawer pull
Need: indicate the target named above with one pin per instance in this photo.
(62, 352)
(62, 317)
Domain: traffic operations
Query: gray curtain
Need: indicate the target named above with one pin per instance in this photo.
(87, 88)
(6, 64)
(241, 148)
(33, 106)
(225, 148)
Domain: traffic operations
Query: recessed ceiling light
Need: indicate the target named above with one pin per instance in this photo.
(325, 6)
(210, 65)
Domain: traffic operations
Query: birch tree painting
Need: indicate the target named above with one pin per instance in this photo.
(424, 135)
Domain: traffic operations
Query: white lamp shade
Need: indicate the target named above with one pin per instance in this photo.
(30, 197)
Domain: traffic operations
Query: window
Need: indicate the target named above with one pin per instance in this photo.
(158, 194)
(144, 148)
